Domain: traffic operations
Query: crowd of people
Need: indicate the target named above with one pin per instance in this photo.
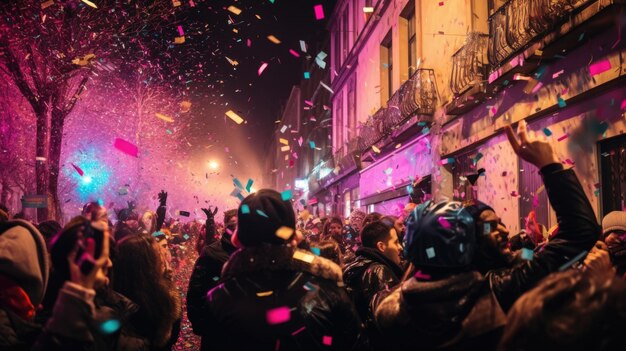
(441, 276)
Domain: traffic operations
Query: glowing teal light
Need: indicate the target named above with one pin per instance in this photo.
(92, 183)
(110, 326)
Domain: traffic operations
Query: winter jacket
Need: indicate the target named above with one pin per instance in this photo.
(279, 297)
(469, 309)
(369, 273)
(205, 276)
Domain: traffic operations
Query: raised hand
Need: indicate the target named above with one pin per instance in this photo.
(208, 213)
(162, 198)
(537, 152)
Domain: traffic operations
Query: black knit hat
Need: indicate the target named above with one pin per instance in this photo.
(260, 215)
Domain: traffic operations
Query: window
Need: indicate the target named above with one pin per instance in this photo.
(338, 123)
(352, 109)
(346, 201)
(409, 15)
(355, 19)
(386, 59)
(613, 173)
(345, 32)
(337, 48)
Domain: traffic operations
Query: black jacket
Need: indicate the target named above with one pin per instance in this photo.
(369, 273)
(302, 291)
(16, 334)
(205, 276)
(468, 308)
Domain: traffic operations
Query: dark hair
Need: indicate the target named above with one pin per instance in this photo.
(49, 229)
(570, 311)
(375, 232)
(329, 221)
(329, 249)
(389, 220)
(138, 276)
(371, 217)
(228, 214)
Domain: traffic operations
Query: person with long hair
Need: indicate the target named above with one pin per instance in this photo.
(139, 274)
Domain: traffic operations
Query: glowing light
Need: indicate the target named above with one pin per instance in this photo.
(87, 179)
(96, 178)
(214, 165)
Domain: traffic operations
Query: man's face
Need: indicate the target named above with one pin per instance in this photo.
(494, 229)
(392, 248)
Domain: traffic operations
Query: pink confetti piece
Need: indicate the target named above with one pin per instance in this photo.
(262, 68)
(294, 53)
(444, 223)
(327, 340)
(622, 106)
(180, 31)
(569, 162)
(563, 137)
(126, 147)
(298, 331)
(440, 3)
(278, 315)
(599, 67)
(319, 12)
(80, 171)
(249, 42)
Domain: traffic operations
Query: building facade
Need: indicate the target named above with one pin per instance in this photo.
(421, 91)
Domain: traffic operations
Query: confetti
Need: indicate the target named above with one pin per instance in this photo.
(249, 185)
(80, 171)
(110, 326)
(264, 293)
(527, 254)
(316, 251)
(312, 144)
(294, 52)
(262, 68)
(572, 261)
(126, 147)
(179, 40)
(327, 340)
(89, 3)
(303, 256)
(284, 232)
(319, 12)
(235, 117)
(430, 252)
(286, 195)
(561, 102)
(245, 209)
(444, 223)
(273, 39)
(180, 31)
(278, 315)
(547, 132)
(368, 9)
(298, 331)
(164, 117)
(235, 10)
(375, 149)
(262, 214)
(563, 137)
(599, 67)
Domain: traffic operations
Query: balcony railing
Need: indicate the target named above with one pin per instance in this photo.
(516, 23)
(417, 96)
(469, 64)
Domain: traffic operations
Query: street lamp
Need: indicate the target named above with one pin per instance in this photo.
(214, 165)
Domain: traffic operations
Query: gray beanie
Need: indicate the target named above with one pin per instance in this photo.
(615, 220)
(23, 258)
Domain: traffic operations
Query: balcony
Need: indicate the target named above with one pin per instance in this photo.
(524, 33)
(413, 102)
(470, 69)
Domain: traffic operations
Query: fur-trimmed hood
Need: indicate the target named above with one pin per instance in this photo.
(280, 258)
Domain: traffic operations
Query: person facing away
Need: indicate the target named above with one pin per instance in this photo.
(609, 254)
(139, 274)
(571, 310)
(449, 304)
(207, 270)
(274, 295)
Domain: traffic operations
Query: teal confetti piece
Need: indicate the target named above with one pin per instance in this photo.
(421, 124)
(249, 185)
(315, 250)
(562, 102)
(238, 183)
(245, 209)
(240, 197)
(527, 254)
(216, 278)
(505, 83)
(186, 237)
(307, 75)
(425, 130)
(110, 326)
(168, 131)
(286, 195)
(581, 36)
(261, 213)
(312, 144)
(547, 132)
(572, 261)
